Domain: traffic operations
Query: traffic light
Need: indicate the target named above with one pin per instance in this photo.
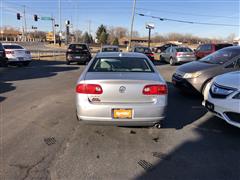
(18, 16)
(35, 17)
(67, 22)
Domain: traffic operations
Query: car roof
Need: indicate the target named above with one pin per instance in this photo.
(120, 54)
(78, 44)
(11, 44)
(140, 47)
(232, 47)
(109, 46)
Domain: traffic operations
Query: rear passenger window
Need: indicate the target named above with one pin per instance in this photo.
(207, 47)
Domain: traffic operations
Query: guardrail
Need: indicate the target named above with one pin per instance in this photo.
(38, 54)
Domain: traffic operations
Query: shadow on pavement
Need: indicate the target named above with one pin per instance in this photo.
(183, 109)
(214, 154)
(37, 69)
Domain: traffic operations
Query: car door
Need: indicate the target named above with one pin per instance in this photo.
(163, 55)
(168, 54)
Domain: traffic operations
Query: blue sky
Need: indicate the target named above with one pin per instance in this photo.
(118, 13)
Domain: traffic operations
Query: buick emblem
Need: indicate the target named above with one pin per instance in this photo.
(122, 89)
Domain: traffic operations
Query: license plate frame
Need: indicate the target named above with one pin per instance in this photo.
(122, 113)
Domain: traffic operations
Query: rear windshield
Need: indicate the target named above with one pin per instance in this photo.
(78, 47)
(121, 64)
(12, 47)
(183, 50)
(143, 50)
(220, 46)
(110, 49)
(221, 56)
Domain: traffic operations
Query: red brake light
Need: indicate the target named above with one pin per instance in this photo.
(9, 52)
(155, 89)
(179, 54)
(89, 89)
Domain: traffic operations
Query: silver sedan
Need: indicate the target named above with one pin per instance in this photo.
(123, 89)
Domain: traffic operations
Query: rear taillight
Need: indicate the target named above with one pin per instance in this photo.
(89, 89)
(179, 54)
(155, 89)
(27, 52)
(9, 52)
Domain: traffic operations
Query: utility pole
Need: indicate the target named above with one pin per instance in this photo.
(60, 17)
(133, 16)
(25, 22)
(89, 27)
(54, 30)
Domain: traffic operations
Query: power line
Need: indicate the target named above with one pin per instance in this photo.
(186, 21)
(189, 14)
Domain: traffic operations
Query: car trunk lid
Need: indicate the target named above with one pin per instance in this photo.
(122, 87)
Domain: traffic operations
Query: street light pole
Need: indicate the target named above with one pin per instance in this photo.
(25, 22)
(133, 16)
(60, 17)
(149, 37)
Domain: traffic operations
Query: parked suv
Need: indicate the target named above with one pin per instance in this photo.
(3, 58)
(144, 50)
(79, 53)
(206, 49)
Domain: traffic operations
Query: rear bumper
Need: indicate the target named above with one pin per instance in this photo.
(185, 59)
(145, 114)
(16, 60)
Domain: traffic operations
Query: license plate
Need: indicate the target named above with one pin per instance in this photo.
(122, 113)
(21, 59)
(77, 57)
(209, 106)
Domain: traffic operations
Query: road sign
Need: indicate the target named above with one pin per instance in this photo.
(46, 18)
(150, 26)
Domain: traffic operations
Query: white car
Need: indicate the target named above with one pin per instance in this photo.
(16, 54)
(223, 97)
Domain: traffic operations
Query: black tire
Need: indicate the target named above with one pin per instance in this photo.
(68, 62)
(26, 63)
(171, 61)
(205, 85)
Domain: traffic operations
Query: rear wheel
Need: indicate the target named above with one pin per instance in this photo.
(171, 61)
(68, 62)
(26, 63)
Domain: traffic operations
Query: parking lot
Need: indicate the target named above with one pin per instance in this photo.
(42, 139)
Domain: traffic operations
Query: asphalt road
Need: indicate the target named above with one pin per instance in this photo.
(41, 138)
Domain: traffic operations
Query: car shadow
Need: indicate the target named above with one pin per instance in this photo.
(183, 108)
(37, 69)
(214, 154)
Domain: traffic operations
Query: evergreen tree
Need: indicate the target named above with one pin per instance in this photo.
(115, 42)
(100, 30)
